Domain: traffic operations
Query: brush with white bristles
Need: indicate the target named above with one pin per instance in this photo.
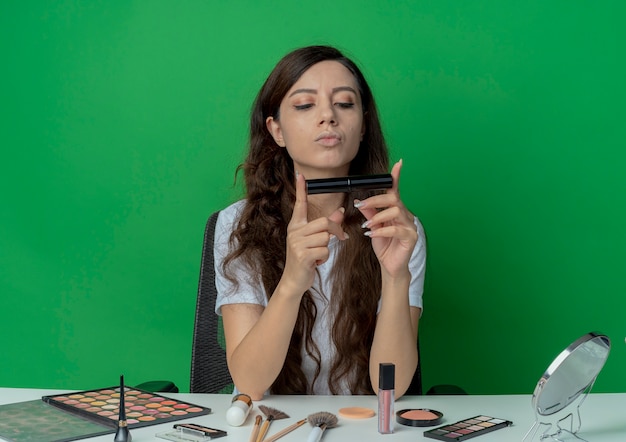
(320, 422)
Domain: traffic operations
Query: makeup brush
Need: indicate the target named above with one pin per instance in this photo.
(271, 414)
(284, 431)
(255, 428)
(320, 422)
(122, 434)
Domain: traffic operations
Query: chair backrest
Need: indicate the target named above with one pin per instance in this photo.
(209, 370)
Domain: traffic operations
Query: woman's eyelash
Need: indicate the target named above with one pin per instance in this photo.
(346, 105)
(302, 106)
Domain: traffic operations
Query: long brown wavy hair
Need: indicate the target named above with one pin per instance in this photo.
(259, 239)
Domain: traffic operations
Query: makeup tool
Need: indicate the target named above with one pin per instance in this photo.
(192, 433)
(255, 428)
(349, 184)
(467, 428)
(419, 417)
(284, 431)
(271, 414)
(569, 378)
(386, 397)
(320, 422)
(122, 434)
(239, 409)
(356, 412)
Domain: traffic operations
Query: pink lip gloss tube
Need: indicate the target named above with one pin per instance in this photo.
(386, 397)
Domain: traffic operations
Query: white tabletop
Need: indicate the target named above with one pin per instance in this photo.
(603, 416)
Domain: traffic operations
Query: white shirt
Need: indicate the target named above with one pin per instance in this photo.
(251, 291)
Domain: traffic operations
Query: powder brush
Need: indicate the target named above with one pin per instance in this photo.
(320, 422)
(271, 414)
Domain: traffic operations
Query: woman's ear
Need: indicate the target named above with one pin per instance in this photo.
(273, 126)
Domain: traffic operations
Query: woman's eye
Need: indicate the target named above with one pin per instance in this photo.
(302, 106)
(345, 105)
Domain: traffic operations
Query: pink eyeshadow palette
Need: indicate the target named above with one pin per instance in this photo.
(468, 428)
(143, 408)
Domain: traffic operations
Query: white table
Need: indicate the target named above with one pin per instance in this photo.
(603, 416)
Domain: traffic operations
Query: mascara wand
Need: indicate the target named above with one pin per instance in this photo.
(320, 422)
(122, 434)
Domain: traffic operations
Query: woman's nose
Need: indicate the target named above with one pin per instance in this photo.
(327, 115)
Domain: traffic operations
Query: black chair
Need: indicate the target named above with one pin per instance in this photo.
(209, 371)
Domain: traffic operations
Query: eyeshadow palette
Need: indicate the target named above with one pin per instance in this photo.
(143, 408)
(467, 428)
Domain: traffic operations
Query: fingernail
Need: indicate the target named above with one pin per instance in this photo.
(365, 225)
(342, 210)
(358, 204)
(368, 233)
(297, 174)
(346, 236)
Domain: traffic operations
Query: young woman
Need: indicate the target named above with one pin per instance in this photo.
(316, 290)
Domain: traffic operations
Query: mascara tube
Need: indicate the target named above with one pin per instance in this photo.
(349, 184)
(386, 397)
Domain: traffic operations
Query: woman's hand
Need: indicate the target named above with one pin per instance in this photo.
(307, 242)
(391, 227)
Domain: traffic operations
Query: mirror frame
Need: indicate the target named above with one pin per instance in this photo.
(577, 346)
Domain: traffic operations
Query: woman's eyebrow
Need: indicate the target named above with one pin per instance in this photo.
(314, 91)
(303, 91)
(344, 88)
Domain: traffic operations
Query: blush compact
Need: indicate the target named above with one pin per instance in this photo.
(419, 417)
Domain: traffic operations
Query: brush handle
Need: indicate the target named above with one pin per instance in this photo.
(263, 431)
(316, 434)
(289, 429)
(255, 429)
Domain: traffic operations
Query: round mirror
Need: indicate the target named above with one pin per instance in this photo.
(571, 374)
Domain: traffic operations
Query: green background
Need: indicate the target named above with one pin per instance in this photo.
(123, 122)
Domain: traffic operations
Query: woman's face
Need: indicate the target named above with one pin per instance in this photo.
(321, 121)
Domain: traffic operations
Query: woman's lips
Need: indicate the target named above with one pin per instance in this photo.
(328, 139)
